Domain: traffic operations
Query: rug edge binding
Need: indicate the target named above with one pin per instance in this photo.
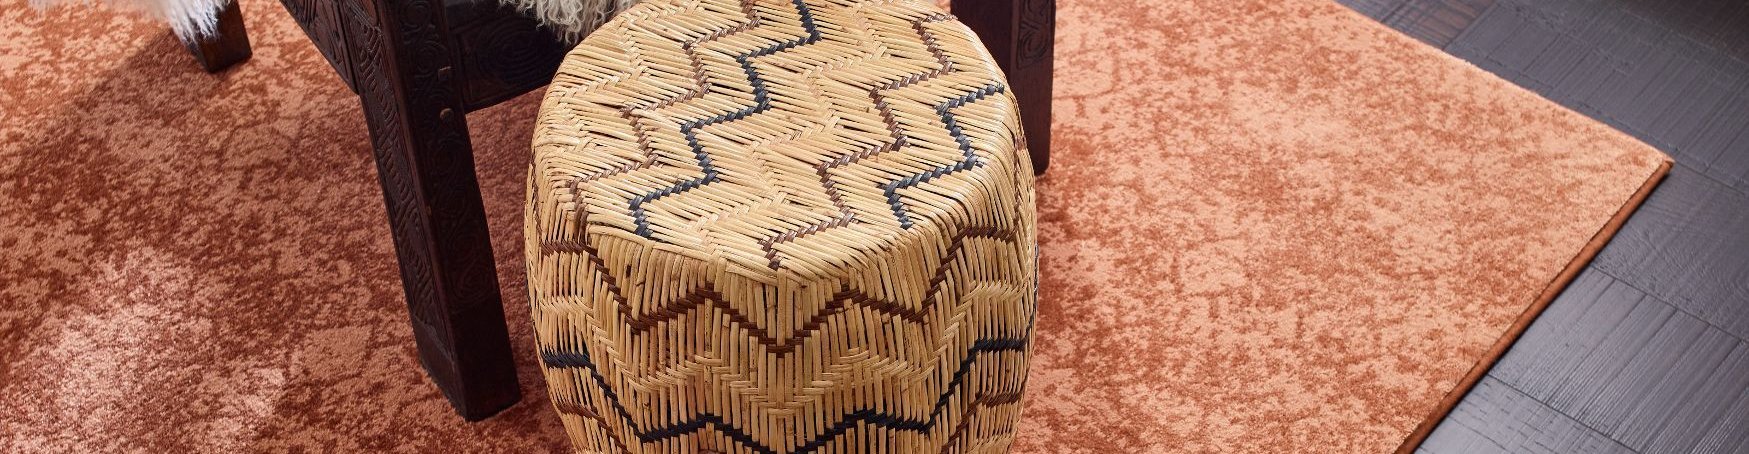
(1546, 297)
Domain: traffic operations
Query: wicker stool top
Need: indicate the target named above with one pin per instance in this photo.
(770, 137)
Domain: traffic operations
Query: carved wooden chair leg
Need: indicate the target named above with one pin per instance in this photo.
(426, 166)
(1019, 33)
(229, 47)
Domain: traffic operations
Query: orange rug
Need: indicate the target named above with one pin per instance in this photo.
(1278, 226)
(1269, 226)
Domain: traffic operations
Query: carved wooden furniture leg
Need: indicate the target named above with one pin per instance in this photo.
(1020, 33)
(229, 47)
(401, 69)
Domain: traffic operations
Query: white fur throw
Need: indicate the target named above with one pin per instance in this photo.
(188, 18)
(570, 19)
(194, 19)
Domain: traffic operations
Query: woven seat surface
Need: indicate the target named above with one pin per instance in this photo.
(776, 226)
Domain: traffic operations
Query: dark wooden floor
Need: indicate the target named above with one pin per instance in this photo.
(1648, 350)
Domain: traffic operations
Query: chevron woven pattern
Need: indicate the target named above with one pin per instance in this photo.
(772, 226)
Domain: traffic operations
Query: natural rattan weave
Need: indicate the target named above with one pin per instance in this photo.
(775, 226)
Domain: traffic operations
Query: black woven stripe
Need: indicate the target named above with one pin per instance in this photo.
(762, 102)
(970, 160)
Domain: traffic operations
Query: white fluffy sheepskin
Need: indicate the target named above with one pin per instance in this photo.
(192, 19)
(570, 19)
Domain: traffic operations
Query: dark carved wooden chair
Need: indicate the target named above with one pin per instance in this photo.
(419, 66)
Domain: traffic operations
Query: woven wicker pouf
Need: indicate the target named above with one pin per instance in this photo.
(765, 226)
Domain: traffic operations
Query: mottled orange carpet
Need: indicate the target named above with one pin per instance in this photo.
(1269, 226)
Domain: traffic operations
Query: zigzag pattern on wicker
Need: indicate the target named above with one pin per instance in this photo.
(781, 227)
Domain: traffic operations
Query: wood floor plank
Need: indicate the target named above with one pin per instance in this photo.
(1492, 29)
(1624, 69)
(1704, 100)
(1639, 407)
(1623, 364)
(1718, 145)
(1721, 24)
(1375, 9)
(1600, 363)
(1730, 433)
(1707, 409)
(1689, 245)
(1495, 418)
(1732, 161)
(1559, 342)
(1437, 22)
(1434, 22)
